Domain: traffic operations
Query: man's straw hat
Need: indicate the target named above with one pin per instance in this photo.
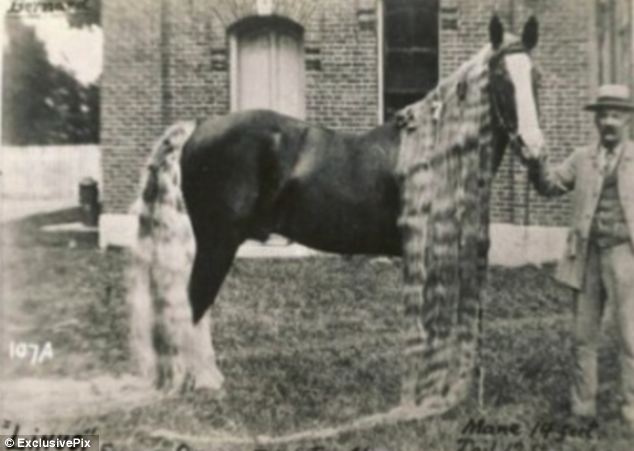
(612, 96)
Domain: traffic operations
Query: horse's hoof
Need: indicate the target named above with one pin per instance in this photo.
(212, 380)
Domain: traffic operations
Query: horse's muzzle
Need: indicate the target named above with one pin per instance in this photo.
(528, 150)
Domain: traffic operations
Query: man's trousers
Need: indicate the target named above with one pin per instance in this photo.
(609, 277)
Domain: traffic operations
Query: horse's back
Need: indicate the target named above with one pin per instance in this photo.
(213, 131)
(342, 194)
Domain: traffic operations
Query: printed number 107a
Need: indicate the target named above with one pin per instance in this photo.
(34, 352)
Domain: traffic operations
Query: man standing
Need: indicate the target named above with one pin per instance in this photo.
(599, 258)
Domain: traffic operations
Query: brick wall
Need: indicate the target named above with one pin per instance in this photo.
(170, 60)
(131, 115)
(564, 59)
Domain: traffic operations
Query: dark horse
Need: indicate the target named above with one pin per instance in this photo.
(253, 173)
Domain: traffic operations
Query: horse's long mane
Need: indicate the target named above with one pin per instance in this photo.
(445, 166)
(449, 114)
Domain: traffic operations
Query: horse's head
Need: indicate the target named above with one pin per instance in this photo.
(513, 89)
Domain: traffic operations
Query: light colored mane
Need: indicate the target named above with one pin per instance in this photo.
(446, 173)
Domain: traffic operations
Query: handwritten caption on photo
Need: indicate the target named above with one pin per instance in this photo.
(482, 435)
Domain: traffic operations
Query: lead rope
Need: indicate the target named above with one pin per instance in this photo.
(481, 369)
(513, 139)
(480, 364)
(527, 209)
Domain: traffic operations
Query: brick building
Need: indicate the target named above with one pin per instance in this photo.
(348, 64)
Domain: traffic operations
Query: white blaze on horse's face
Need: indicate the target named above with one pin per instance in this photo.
(519, 68)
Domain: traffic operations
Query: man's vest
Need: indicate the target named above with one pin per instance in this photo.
(609, 226)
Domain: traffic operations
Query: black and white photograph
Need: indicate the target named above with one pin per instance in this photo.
(317, 225)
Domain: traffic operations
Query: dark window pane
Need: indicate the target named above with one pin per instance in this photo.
(411, 27)
(394, 102)
(410, 71)
(425, 26)
(411, 51)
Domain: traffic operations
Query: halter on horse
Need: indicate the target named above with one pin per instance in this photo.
(253, 173)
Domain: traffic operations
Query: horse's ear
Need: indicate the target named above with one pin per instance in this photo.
(496, 32)
(530, 35)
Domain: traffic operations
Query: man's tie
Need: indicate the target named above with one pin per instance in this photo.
(608, 160)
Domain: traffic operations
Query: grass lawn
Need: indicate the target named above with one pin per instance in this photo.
(303, 344)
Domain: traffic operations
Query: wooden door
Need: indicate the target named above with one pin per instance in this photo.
(270, 71)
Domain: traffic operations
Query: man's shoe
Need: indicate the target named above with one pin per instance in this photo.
(588, 411)
(627, 415)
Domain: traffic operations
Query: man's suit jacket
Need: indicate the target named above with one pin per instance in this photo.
(581, 172)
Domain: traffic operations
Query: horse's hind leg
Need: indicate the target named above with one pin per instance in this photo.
(229, 194)
(214, 254)
(220, 219)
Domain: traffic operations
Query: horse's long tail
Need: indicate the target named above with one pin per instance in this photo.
(160, 184)
(164, 238)
(168, 346)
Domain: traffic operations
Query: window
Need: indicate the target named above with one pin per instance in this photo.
(410, 46)
(268, 66)
(614, 41)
